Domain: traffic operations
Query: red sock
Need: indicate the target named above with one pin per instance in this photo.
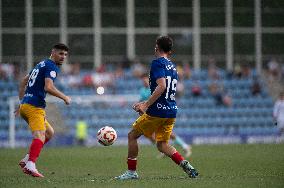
(132, 163)
(35, 149)
(46, 140)
(177, 158)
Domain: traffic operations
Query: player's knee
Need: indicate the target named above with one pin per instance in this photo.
(49, 133)
(39, 135)
(133, 134)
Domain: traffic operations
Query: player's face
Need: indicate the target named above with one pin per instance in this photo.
(59, 56)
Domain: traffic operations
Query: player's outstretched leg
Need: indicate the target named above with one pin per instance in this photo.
(177, 158)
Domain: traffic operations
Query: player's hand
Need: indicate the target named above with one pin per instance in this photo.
(17, 111)
(140, 107)
(67, 100)
(136, 109)
(135, 106)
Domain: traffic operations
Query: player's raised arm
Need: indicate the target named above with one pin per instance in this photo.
(51, 89)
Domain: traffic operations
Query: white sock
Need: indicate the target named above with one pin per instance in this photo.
(26, 158)
(31, 166)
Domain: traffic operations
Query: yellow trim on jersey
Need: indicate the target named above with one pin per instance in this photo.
(162, 127)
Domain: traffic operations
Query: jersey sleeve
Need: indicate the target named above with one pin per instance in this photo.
(158, 70)
(50, 72)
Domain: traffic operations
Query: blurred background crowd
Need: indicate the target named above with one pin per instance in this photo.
(229, 56)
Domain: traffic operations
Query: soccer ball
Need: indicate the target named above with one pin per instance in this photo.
(106, 136)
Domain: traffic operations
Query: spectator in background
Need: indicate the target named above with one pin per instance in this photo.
(278, 112)
(255, 88)
(138, 69)
(282, 72)
(72, 77)
(101, 78)
(6, 71)
(274, 70)
(2, 73)
(221, 97)
(17, 71)
(246, 71)
(119, 71)
(213, 70)
(81, 132)
(237, 71)
(144, 91)
(125, 63)
(180, 85)
(196, 89)
(242, 70)
(87, 81)
(187, 71)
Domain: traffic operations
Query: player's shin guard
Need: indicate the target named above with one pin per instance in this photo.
(35, 149)
(177, 158)
(132, 163)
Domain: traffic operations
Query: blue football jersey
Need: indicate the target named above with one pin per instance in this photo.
(35, 93)
(165, 106)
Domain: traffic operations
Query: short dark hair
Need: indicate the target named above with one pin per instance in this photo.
(61, 46)
(165, 43)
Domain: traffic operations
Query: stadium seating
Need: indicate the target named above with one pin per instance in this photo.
(249, 115)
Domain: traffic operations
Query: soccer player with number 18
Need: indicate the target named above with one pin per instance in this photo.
(32, 93)
(158, 113)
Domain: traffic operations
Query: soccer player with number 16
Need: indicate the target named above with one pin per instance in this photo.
(158, 113)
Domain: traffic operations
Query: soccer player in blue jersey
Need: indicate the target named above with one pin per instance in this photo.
(32, 93)
(158, 113)
(145, 93)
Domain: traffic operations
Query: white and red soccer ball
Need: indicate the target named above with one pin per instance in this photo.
(106, 136)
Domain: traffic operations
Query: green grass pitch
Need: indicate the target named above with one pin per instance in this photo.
(218, 165)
